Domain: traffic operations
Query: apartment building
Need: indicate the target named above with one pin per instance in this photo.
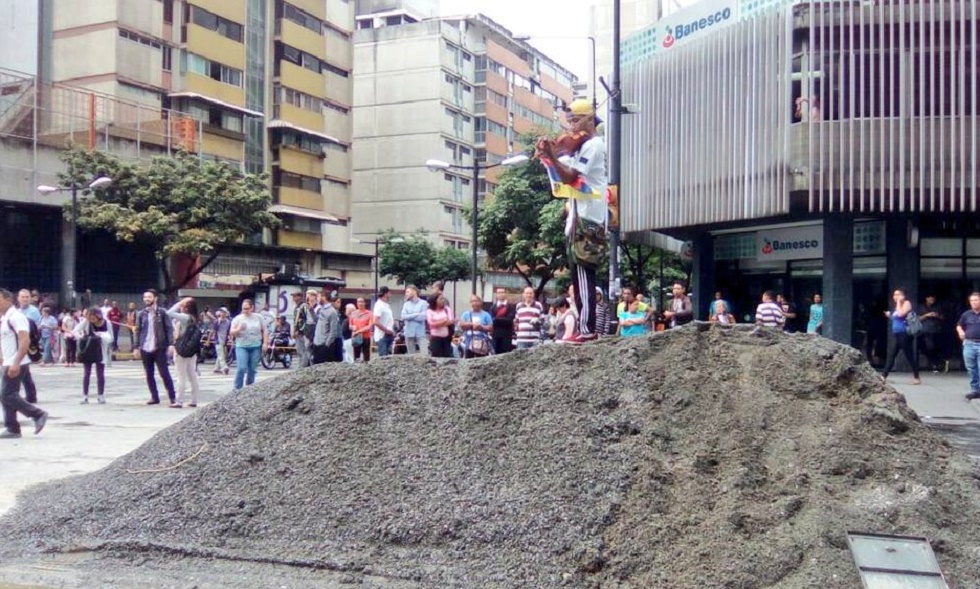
(453, 89)
(265, 85)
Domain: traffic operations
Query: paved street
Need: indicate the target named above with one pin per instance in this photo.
(940, 404)
(83, 438)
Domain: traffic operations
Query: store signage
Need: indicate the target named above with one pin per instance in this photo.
(695, 21)
(789, 243)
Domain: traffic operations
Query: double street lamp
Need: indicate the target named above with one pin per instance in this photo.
(439, 165)
(99, 182)
(377, 259)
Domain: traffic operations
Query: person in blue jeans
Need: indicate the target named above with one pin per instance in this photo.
(47, 326)
(251, 338)
(901, 338)
(968, 328)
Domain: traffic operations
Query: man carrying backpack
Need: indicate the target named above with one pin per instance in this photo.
(14, 342)
(154, 334)
(33, 316)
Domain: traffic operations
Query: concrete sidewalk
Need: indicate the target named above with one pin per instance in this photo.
(83, 438)
(941, 404)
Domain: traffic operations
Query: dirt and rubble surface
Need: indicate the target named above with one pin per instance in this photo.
(698, 458)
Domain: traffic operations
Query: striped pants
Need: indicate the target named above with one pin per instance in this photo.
(584, 280)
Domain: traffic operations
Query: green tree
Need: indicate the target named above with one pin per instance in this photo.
(177, 205)
(521, 226)
(640, 266)
(414, 260)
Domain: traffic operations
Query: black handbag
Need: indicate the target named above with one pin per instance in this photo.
(90, 348)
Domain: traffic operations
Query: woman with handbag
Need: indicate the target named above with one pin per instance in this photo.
(361, 322)
(901, 338)
(92, 336)
(185, 317)
(440, 320)
(477, 326)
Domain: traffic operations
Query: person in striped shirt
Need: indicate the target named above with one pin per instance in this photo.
(768, 313)
(527, 321)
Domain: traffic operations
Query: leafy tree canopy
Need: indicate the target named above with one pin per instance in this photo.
(177, 205)
(413, 259)
(521, 226)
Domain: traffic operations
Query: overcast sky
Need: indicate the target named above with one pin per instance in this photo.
(539, 18)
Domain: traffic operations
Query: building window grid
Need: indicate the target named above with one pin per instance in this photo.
(301, 17)
(224, 27)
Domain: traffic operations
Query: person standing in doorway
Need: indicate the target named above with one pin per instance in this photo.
(155, 335)
(968, 328)
(384, 323)
(901, 338)
(413, 318)
(15, 339)
(932, 334)
(815, 323)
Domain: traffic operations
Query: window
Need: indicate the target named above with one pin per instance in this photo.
(335, 107)
(303, 19)
(213, 22)
(289, 180)
(231, 121)
(337, 34)
(496, 128)
(311, 63)
(335, 70)
(197, 65)
(498, 99)
(226, 74)
(299, 141)
(167, 59)
(301, 224)
(168, 11)
(338, 147)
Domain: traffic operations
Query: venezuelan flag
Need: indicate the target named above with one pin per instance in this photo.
(577, 191)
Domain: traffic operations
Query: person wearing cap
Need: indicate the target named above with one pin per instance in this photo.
(384, 323)
(586, 216)
(325, 336)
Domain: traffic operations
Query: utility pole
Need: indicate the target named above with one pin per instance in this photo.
(615, 147)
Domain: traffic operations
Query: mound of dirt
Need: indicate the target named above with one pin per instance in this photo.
(698, 458)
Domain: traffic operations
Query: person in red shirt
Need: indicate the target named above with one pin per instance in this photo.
(115, 317)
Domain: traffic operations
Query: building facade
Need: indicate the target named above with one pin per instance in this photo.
(807, 147)
(264, 85)
(451, 89)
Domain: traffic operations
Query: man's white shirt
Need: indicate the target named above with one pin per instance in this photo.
(9, 339)
(384, 316)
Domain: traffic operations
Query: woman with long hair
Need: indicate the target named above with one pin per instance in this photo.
(184, 313)
(440, 319)
(901, 338)
(93, 337)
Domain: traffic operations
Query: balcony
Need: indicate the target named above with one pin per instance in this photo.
(302, 79)
(338, 88)
(299, 116)
(297, 197)
(300, 162)
(301, 38)
(313, 241)
(223, 147)
(214, 89)
(215, 47)
(231, 10)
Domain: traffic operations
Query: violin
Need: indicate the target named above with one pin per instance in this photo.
(570, 141)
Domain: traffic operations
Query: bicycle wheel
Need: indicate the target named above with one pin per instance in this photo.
(268, 359)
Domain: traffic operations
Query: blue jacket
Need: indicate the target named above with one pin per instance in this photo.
(413, 315)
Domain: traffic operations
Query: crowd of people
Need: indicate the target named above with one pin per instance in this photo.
(324, 329)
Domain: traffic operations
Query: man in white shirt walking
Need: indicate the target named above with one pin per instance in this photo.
(14, 342)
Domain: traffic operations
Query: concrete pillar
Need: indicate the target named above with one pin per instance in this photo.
(838, 278)
(703, 274)
(903, 271)
(68, 249)
(903, 260)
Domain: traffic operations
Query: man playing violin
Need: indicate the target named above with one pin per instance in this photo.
(586, 216)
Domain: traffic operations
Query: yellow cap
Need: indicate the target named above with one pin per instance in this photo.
(581, 106)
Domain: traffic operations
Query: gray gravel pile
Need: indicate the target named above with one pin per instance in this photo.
(699, 458)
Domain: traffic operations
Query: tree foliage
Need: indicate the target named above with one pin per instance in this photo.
(521, 226)
(177, 205)
(415, 260)
(641, 268)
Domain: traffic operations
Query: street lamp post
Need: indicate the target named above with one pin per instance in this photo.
(99, 182)
(377, 257)
(437, 165)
